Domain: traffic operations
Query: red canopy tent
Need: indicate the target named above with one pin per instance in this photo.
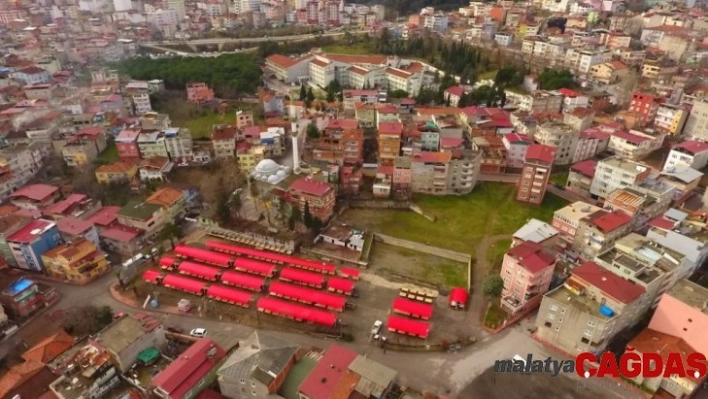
(412, 308)
(204, 255)
(197, 270)
(302, 277)
(254, 267)
(348, 272)
(152, 276)
(272, 257)
(229, 295)
(243, 280)
(340, 285)
(307, 295)
(415, 328)
(177, 282)
(296, 312)
(167, 262)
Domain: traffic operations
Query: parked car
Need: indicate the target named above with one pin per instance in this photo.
(377, 327)
(198, 332)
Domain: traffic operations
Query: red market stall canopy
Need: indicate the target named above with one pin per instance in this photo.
(409, 327)
(348, 272)
(229, 295)
(302, 277)
(182, 283)
(197, 270)
(243, 280)
(272, 257)
(458, 297)
(307, 295)
(152, 276)
(296, 312)
(412, 308)
(167, 262)
(336, 284)
(254, 267)
(203, 255)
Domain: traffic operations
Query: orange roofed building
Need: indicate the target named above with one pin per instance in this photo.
(319, 196)
(199, 93)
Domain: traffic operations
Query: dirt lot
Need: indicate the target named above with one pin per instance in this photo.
(389, 261)
(492, 385)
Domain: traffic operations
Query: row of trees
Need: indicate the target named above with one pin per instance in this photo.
(228, 74)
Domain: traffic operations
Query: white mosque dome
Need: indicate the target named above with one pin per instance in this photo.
(280, 174)
(267, 167)
(273, 179)
(287, 170)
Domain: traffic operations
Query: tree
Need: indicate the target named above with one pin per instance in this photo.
(170, 232)
(493, 286)
(236, 204)
(508, 76)
(307, 216)
(310, 95)
(223, 212)
(87, 320)
(303, 92)
(551, 79)
(316, 225)
(313, 132)
(398, 94)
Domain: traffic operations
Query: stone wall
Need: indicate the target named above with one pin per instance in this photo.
(415, 246)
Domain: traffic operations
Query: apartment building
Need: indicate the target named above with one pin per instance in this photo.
(84, 146)
(31, 241)
(671, 119)
(598, 231)
(579, 118)
(527, 271)
(516, 146)
(155, 168)
(287, 69)
(443, 173)
(608, 73)
(684, 181)
(152, 144)
(536, 172)
(352, 96)
(78, 261)
(35, 196)
(402, 179)
(588, 310)
(573, 99)
(567, 219)
(389, 140)
(690, 153)
(8, 226)
(696, 126)
(590, 143)
(614, 172)
(634, 144)
(540, 101)
(661, 70)
(149, 218)
(223, 139)
(682, 312)
(127, 145)
(24, 161)
(319, 197)
(581, 61)
(178, 144)
(398, 79)
(199, 93)
(646, 105)
(560, 136)
(139, 94)
(321, 72)
(171, 200)
(154, 121)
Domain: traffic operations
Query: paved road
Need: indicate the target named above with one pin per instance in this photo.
(217, 41)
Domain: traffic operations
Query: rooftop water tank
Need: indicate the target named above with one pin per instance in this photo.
(606, 311)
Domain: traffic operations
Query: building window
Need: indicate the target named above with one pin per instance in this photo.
(591, 323)
(554, 308)
(548, 324)
(585, 340)
(551, 316)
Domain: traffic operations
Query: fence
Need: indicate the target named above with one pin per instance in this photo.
(383, 204)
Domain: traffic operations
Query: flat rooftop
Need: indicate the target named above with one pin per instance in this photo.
(691, 294)
(624, 164)
(122, 333)
(581, 302)
(576, 211)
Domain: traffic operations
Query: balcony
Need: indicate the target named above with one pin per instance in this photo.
(511, 304)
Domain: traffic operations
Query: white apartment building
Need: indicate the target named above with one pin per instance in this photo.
(398, 79)
(141, 103)
(689, 153)
(288, 69)
(590, 143)
(178, 7)
(614, 172)
(321, 72)
(24, 161)
(697, 122)
(567, 219)
(437, 22)
(504, 39)
(561, 136)
(581, 61)
(670, 119)
(178, 144)
(540, 100)
(634, 144)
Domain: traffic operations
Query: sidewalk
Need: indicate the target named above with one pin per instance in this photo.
(134, 304)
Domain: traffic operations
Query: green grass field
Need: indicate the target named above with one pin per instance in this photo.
(354, 49)
(461, 222)
(495, 255)
(200, 127)
(487, 75)
(109, 155)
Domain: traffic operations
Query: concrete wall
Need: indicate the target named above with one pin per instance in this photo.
(415, 246)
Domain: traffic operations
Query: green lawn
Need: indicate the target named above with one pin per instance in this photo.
(488, 75)
(354, 49)
(200, 127)
(495, 315)
(495, 255)
(109, 155)
(560, 178)
(461, 222)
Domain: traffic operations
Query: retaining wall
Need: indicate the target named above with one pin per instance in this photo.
(415, 246)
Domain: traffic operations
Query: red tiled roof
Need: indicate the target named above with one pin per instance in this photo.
(320, 63)
(189, 368)
(121, 233)
(531, 256)
(586, 168)
(450, 142)
(26, 235)
(569, 92)
(358, 59)
(226, 133)
(49, 348)
(651, 341)
(517, 138)
(662, 223)
(309, 186)
(36, 192)
(594, 133)
(343, 123)
(608, 282)
(399, 73)
(32, 70)
(73, 225)
(62, 206)
(323, 379)
(630, 137)
(432, 157)
(285, 62)
(105, 216)
(609, 221)
(19, 374)
(387, 109)
(693, 147)
(540, 152)
(455, 91)
(389, 128)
